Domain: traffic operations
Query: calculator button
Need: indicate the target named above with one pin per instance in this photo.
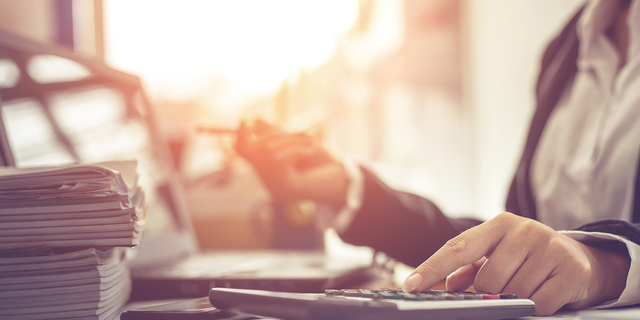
(369, 293)
(352, 293)
(508, 296)
(389, 295)
(452, 296)
(413, 297)
(432, 297)
(472, 296)
(333, 292)
(490, 296)
(436, 291)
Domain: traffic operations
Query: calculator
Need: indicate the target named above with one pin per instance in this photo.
(372, 304)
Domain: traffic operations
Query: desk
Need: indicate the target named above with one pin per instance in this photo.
(605, 314)
(387, 281)
(619, 313)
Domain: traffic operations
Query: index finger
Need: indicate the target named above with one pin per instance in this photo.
(462, 250)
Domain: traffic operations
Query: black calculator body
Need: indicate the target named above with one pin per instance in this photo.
(371, 304)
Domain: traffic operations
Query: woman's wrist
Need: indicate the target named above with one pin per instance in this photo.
(616, 268)
(611, 268)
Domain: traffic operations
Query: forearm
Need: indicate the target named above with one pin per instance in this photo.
(404, 226)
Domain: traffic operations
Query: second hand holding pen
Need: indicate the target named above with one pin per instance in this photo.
(302, 164)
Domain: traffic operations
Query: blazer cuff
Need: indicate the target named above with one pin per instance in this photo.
(618, 227)
(631, 293)
(355, 193)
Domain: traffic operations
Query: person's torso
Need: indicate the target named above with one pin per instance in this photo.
(584, 168)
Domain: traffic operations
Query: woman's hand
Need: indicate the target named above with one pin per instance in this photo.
(512, 254)
(293, 166)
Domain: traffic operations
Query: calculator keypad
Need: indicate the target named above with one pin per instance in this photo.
(429, 295)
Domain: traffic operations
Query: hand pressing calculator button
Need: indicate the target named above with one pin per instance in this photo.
(372, 304)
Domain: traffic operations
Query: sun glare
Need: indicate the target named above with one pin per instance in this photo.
(179, 47)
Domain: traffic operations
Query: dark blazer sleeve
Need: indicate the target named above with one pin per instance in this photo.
(410, 228)
(405, 226)
(625, 229)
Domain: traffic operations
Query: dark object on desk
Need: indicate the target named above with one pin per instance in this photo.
(196, 309)
(371, 305)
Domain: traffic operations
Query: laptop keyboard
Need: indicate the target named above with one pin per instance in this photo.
(429, 295)
(217, 265)
(228, 263)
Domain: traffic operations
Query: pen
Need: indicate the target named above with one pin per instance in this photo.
(221, 131)
(214, 130)
(303, 123)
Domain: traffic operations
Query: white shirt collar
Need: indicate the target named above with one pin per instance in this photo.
(597, 52)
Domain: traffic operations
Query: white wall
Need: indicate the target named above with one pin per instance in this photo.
(503, 42)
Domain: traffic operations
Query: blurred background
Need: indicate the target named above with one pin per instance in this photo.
(434, 95)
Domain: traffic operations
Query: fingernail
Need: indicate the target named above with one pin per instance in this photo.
(412, 282)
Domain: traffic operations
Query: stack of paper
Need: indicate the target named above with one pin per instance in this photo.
(85, 284)
(73, 206)
(62, 231)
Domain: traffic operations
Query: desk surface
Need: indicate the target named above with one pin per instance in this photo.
(385, 281)
(605, 314)
(618, 313)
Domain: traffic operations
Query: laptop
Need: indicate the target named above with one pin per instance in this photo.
(93, 113)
